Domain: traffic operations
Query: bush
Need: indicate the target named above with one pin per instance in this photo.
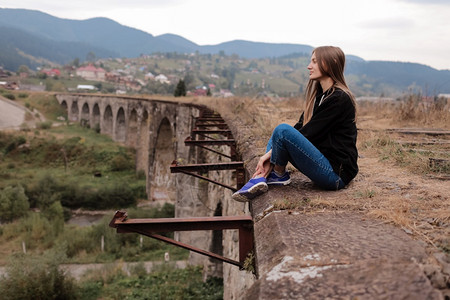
(13, 203)
(44, 125)
(114, 196)
(16, 142)
(37, 231)
(44, 192)
(121, 163)
(33, 277)
(10, 96)
(117, 196)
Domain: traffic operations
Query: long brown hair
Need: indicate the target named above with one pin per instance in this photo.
(331, 61)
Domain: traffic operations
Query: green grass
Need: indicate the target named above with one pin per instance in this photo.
(165, 283)
(48, 176)
(40, 277)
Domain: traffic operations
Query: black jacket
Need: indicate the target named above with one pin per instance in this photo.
(332, 129)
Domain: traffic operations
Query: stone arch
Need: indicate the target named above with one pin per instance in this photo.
(143, 144)
(162, 184)
(121, 129)
(65, 107)
(74, 111)
(96, 117)
(132, 129)
(85, 115)
(107, 127)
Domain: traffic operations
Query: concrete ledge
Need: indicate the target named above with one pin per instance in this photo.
(336, 255)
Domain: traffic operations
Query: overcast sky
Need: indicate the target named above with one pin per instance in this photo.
(396, 30)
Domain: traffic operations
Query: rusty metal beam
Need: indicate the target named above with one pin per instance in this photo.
(222, 131)
(220, 125)
(215, 151)
(188, 141)
(210, 119)
(209, 180)
(148, 227)
(232, 165)
(202, 168)
(211, 123)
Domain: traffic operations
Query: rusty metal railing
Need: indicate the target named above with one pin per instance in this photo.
(151, 227)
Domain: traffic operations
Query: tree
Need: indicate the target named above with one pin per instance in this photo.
(189, 80)
(180, 90)
(90, 56)
(23, 69)
(76, 62)
(13, 203)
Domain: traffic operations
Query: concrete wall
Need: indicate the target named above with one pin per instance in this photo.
(157, 130)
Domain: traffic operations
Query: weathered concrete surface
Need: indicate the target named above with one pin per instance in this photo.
(332, 255)
(336, 255)
(308, 254)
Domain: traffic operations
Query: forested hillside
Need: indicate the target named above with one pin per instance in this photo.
(36, 39)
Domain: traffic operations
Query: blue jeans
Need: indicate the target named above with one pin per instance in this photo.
(289, 145)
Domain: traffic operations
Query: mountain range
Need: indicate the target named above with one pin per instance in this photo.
(34, 38)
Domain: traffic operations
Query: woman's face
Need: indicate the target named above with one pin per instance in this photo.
(313, 67)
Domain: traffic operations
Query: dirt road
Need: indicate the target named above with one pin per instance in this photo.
(12, 115)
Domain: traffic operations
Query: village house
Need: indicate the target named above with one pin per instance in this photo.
(86, 87)
(3, 74)
(124, 82)
(173, 79)
(51, 72)
(91, 72)
(9, 85)
(149, 76)
(224, 93)
(162, 78)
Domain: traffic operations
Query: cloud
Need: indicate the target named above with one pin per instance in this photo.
(426, 2)
(388, 23)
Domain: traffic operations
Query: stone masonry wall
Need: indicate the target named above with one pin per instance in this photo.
(148, 124)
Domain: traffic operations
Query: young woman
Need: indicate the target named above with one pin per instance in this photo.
(322, 145)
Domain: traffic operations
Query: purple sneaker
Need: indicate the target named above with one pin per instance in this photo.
(274, 179)
(254, 187)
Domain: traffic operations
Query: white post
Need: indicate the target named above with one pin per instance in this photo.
(24, 248)
(103, 243)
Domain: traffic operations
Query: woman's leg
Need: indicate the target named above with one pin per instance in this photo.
(289, 145)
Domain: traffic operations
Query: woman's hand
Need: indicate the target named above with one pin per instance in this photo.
(263, 167)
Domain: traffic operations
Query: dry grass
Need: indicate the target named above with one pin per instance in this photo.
(394, 183)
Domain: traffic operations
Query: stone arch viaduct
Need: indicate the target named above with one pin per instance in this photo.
(298, 256)
(157, 130)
